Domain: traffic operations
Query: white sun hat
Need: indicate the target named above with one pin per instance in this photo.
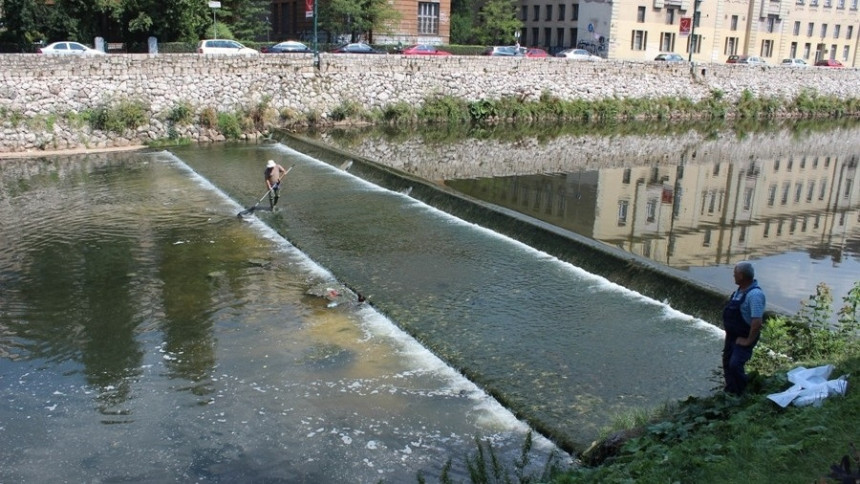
(270, 164)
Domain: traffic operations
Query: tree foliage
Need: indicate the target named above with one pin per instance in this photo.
(357, 19)
(27, 21)
(498, 22)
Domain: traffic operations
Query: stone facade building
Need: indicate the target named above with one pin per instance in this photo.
(640, 29)
(421, 21)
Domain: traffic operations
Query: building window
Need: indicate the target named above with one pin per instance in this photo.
(574, 34)
(813, 3)
(806, 50)
(694, 42)
(548, 13)
(639, 40)
(840, 4)
(833, 51)
(796, 27)
(731, 45)
(810, 29)
(524, 13)
(561, 12)
(798, 192)
(850, 32)
(667, 41)
(811, 193)
(651, 210)
(547, 33)
(734, 24)
(792, 52)
(771, 195)
(640, 15)
(845, 51)
(786, 190)
(535, 35)
(771, 23)
(853, 4)
(800, 2)
(767, 48)
(836, 31)
(559, 33)
(706, 238)
(748, 199)
(828, 3)
(623, 205)
(574, 12)
(670, 16)
(823, 30)
(428, 18)
(536, 13)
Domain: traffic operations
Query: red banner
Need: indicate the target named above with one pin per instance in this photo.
(309, 8)
(686, 26)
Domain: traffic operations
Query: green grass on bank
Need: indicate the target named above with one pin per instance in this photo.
(748, 439)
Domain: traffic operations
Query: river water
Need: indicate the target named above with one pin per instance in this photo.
(149, 335)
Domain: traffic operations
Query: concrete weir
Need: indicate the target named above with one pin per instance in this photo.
(652, 280)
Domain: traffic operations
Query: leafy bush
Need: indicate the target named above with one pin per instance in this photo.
(118, 119)
(229, 126)
(181, 114)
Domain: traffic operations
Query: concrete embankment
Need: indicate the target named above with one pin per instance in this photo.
(48, 102)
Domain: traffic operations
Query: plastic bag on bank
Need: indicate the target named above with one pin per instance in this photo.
(810, 387)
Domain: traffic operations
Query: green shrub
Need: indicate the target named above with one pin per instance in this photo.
(181, 114)
(229, 125)
(125, 115)
(345, 110)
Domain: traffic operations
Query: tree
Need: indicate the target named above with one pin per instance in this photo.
(24, 21)
(247, 18)
(357, 18)
(498, 22)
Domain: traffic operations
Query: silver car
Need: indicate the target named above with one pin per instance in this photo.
(224, 47)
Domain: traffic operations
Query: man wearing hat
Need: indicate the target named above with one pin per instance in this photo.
(273, 174)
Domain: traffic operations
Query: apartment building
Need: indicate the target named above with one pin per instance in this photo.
(420, 22)
(703, 31)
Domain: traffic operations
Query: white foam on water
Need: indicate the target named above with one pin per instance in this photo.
(491, 413)
(601, 283)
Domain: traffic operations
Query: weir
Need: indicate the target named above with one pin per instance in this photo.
(564, 349)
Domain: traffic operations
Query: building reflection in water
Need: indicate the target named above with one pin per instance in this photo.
(701, 211)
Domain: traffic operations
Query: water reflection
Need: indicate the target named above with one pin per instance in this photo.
(695, 200)
(142, 323)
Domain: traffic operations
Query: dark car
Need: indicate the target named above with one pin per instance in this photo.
(669, 57)
(423, 49)
(504, 51)
(288, 47)
(356, 48)
(829, 63)
(751, 60)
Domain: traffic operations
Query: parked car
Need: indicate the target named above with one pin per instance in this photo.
(829, 63)
(69, 48)
(287, 47)
(356, 48)
(751, 60)
(423, 49)
(578, 54)
(792, 62)
(223, 47)
(504, 51)
(669, 57)
(535, 52)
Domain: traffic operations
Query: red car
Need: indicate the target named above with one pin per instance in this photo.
(423, 49)
(829, 63)
(535, 52)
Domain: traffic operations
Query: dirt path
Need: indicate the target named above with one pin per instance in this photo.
(76, 151)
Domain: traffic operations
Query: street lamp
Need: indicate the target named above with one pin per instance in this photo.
(693, 42)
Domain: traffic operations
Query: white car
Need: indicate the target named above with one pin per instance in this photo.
(794, 63)
(69, 48)
(579, 54)
(224, 47)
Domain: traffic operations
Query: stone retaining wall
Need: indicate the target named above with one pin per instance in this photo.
(36, 91)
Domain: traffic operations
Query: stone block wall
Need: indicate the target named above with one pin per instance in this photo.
(36, 87)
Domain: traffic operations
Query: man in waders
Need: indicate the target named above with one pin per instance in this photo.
(273, 175)
(742, 320)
